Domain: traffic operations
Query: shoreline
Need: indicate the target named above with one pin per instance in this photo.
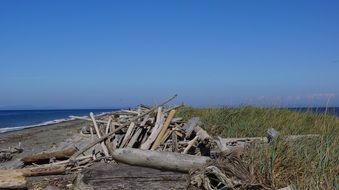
(40, 138)
(4, 130)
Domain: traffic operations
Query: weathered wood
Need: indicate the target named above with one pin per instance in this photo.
(201, 133)
(144, 121)
(166, 135)
(190, 125)
(108, 125)
(159, 160)
(45, 156)
(130, 111)
(190, 144)
(104, 147)
(36, 171)
(134, 137)
(230, 144)
(174, 142)
(41, 171)
(12, 179)
(90, 145)
(122, 176)
(155, 131)
(128, 135)
(163, 130)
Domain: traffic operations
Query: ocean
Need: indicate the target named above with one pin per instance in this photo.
(11, 120)
(318, 110)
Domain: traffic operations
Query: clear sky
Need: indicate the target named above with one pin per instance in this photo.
(83, 54)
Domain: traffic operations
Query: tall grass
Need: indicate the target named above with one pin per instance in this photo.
(304, 164)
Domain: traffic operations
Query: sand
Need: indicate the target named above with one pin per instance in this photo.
(37, 139)
(40, 138)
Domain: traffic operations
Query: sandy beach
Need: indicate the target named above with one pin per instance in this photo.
(40, 138)
(37, 139)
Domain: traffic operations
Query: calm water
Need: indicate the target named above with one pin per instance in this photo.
(319, 110)
(20, 119)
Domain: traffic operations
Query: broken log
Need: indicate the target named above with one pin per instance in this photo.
(45, 156)
(159, 160)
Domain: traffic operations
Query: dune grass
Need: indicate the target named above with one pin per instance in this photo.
(304, 164)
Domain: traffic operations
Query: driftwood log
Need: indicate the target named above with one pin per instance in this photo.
(159, 160)
(15, 179)
(45, 156)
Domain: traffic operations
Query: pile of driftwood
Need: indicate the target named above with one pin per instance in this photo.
(150, 137)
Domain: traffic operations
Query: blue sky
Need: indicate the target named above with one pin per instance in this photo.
(83, 54)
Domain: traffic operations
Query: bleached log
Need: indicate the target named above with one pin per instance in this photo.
(45, 156)
(155, 131)
(190, 144)
(128, 135)
(163, 129)
(104, 147)
(90, 145)
(160, 160)
(12, 179)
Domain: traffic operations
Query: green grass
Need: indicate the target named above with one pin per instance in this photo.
(305, 164)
